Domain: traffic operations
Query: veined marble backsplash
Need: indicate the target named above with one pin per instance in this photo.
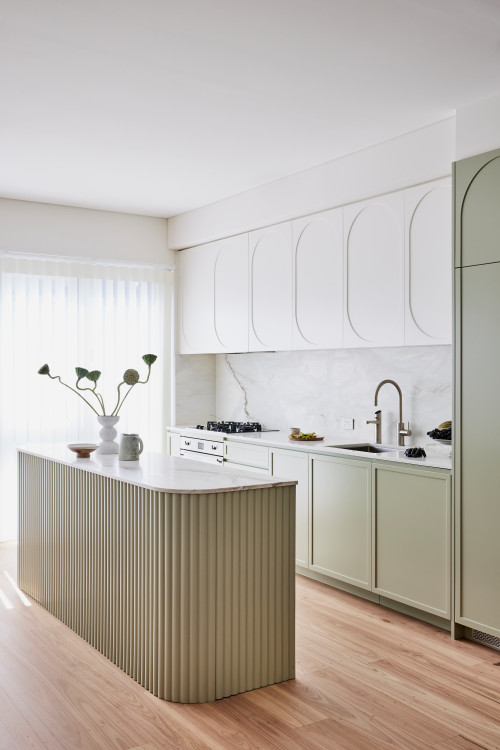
(194, 389)
(314, 390)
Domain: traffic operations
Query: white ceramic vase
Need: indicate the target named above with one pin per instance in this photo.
(108, 435)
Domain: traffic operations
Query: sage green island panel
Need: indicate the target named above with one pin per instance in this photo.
(295, 465)
(340, 540)
(477, 214)
(181, 574)
(478, 502)
(412, 538)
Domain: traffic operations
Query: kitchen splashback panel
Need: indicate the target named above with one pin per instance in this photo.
(314, 390)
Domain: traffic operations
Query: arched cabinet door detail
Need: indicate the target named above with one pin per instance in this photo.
(270, 264)
(231, 294)
(374, 272)
(195, 299)
(428, 252)
(318, 281)
(478, 218)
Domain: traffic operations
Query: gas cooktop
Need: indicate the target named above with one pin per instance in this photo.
(233, 427)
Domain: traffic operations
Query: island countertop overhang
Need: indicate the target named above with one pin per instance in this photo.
(158, 472)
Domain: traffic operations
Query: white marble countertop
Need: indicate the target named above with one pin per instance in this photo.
(438, 456)
(159, 472)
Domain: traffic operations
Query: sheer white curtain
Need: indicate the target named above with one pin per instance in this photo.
(68, 314)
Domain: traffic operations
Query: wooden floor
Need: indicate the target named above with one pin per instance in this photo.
(367, 678)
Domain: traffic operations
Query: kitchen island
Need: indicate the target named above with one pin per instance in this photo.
(181, 574)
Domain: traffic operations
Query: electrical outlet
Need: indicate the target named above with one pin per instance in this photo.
(347, 424)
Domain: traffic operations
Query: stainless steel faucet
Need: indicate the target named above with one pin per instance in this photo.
(402, 431)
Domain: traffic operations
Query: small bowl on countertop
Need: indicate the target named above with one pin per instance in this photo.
(82, 450)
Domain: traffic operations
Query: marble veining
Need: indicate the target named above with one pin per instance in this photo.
(314, 390)
(194, 388)
(158, 472)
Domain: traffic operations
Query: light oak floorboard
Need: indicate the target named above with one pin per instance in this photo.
(368, 678)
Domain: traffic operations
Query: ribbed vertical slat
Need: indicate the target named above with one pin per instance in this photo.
(191, 595)
(255, 635)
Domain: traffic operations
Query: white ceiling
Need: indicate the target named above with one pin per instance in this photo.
(157, 106)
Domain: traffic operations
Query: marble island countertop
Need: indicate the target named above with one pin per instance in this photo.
(158, 472)
(438, 456)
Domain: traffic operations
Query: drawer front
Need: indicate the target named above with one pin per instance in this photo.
(250, 455)
(231, 466)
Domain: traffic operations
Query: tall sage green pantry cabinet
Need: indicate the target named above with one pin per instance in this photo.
(477, 394)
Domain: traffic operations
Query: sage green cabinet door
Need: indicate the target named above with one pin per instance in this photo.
(478, 484)
(295, 465)
(477, 218)
(412, 538)
(341, 519)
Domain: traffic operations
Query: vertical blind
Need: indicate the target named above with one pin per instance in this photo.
(68, 314)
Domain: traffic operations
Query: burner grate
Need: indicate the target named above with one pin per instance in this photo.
(231, 427)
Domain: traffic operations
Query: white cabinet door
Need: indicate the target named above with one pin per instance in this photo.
(295, 465)
(212, 293)
(318, 281)
(270, 263)
(173, 443)
(428, 264)
(374, 272)
(195, 299)
(231, 294)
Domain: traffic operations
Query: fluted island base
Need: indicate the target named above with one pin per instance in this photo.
(192, 595)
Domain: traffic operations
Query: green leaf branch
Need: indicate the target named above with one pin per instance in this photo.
(130, 377)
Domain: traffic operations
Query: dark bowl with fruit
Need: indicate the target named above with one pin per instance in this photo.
(441, 433)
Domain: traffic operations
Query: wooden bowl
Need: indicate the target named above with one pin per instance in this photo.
(82, 450)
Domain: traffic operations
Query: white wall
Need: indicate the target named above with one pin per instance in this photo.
(478, 128)
(47, 229)
(416, 157)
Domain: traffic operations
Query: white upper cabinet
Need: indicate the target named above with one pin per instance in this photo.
(318, 281)
(270, 264)
(374, 272)
(371, 274)
(195, 299)
(231, 294)
(212, 291)
(429, 263)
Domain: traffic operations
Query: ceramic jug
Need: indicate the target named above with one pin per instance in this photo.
(131, 447)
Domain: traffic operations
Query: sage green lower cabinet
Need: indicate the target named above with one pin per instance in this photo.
(412, 537)
(340, 524)
(477, 414)
(295, 465)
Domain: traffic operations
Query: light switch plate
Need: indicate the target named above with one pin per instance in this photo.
(347, 424)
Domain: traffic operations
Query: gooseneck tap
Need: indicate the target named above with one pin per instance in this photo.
(402, 431)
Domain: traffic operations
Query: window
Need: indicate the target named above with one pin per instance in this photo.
(66, 315)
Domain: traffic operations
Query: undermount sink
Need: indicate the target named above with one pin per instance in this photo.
(366, 447)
